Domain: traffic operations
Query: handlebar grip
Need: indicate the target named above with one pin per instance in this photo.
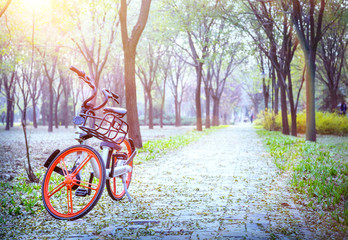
(78, 72)
(114, 95)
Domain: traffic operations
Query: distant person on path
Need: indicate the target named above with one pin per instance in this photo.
(343, 107)
(251, 117)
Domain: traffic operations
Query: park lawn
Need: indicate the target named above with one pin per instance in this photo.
(21, 200)
(318, 172)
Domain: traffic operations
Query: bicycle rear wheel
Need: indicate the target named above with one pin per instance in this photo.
(73, 182)
(114, 185)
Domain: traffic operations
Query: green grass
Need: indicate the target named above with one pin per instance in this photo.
(19, 197)
(318, 170)
(156, 148)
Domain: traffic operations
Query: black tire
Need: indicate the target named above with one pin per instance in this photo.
(64, 174)
(114, 185)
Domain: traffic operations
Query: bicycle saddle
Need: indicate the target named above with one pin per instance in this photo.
(119, 111)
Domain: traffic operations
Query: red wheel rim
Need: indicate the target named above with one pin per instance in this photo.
(68, 182)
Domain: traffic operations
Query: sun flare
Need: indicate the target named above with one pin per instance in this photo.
(35, 4)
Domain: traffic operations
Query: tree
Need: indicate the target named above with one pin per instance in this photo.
(147, 73)
(35, 93)
(9, 84)
(194, 20)
(264, 14)
(57, 94)
(24, 82)
(91, 40)
(231, 97)
(161, 83)
(114, 80)
(307, 17)
(332, 51)
(7, 66)
(50, 72)
(280, 50)
(129, 51)
(265, 84)
(3, 10)
(222, 65)
(178, 85)
(66, 93)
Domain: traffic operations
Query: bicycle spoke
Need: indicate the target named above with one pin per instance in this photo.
(83, 163)
(69, 201)
(56, 189)
(65, 169)
(84, 186)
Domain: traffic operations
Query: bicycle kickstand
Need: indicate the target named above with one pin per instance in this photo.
(125, 187)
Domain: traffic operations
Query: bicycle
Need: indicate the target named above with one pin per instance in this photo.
(76, 177)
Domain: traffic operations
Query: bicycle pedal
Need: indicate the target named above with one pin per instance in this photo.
(81, 192)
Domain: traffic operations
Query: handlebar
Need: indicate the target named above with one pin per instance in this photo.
(80, 73)
(107, 93)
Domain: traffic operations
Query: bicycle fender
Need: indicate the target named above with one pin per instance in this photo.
(51, 158)
(132, 144)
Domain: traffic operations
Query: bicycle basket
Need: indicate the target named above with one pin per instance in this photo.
(109, 128)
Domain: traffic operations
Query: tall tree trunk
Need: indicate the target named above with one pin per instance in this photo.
(285, 121)
(292, 107)
(333, 99)
(12, 111)
(56, 113)
(44, 113)
(162, 110)
(198, 97)
(34, 114)
(31, 176)
(9, 103)
(207, 107)
(216, 105)
(310, 97)
(163, 102)
(145, 107)
(276, 92)
(66, 111)
(177, 111)
(150, 110)
(265, 90)
(50, 110)
(129, 51)
(131, 98)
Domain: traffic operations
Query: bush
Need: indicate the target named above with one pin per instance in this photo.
(326, 123)
(331, 123)
(301, 122)
(270, 121)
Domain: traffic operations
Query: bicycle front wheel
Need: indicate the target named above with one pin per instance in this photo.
(74, 182)
(114, 185)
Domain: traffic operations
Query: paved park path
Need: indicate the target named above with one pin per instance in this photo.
(224, 186)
